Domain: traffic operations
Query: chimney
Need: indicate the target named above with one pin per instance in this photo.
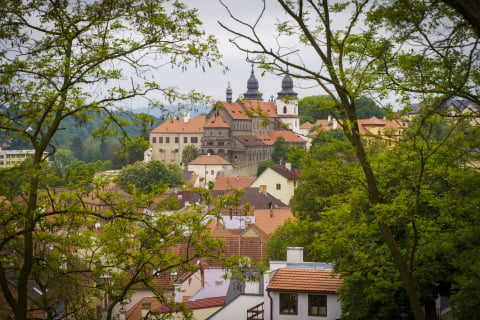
(294, 254)
(288, 166)
(186, 116)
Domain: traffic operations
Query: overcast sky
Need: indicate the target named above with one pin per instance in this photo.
(214, 81)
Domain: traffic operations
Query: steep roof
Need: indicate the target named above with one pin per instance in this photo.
(194, 125)
(193, 305)
(305, 280)
(217, 122)
(209, 159)
(289, 136)
(269, 220)
(240, 110)
(290, 174)
(225, 183)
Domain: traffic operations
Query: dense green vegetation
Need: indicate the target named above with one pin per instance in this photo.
(313, 108)
(65, 66)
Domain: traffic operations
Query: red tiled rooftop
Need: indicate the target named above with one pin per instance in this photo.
(289, 136)
(209, 159)
(197, 304)
(217, 122)
(305, 280)
(194, 125)
(226, 183)
(269, 220)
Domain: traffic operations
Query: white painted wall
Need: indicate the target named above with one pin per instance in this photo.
(237, 309)
(333, 308)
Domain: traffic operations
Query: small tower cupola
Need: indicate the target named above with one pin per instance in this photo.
(287, 87)
(252, 88)
(229, 93)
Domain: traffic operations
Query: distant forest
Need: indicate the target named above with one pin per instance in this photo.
(87, 139)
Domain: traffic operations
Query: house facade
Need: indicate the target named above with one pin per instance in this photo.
(208, 167)
(280, 181)
(170, 138)
(303, 294)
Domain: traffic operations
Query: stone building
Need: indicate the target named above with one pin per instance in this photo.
(243, 131)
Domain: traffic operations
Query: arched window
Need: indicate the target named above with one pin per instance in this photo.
(285, 109)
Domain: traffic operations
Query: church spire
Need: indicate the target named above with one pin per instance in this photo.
(287, 87)
(252, 88)
(229, 93)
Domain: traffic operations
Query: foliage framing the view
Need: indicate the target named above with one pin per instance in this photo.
(72, 60)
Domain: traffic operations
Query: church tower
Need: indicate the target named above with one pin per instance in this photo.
(287, 104)
(229, 93)
(252, 88)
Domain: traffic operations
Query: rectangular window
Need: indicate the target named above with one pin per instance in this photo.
(288, 303)
(154, 139)
(160, 140)
(193, 139)
(317, 305)
(167, 140)
(185, 140)
(279, 186)
(177, 139)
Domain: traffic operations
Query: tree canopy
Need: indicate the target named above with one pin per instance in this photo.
(73, 61)
(415, 50)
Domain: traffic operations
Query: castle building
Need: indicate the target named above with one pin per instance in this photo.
(241, 131)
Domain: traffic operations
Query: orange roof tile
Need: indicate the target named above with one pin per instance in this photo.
(289, 136)
(196, 304)
(226, 183)
(305, 280)
(209, 159)
(306, 125)
(194, 125)
(217, 122)
(269, 220)
(259, 108)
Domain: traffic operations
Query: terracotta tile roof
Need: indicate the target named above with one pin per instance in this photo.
(237, 109)
(266, 109)
(306, 125)
(217, 122)
(289, 136)
(292, 174)
(209, 159)
(226, 183)
(255, 197)
(305, 280)
(196, 304)
(269, 220)
(194, 125)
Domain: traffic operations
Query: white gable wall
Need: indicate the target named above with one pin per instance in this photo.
(269, 179)
(333, 308)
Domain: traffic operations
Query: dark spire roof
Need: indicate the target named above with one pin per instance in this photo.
(252, 88)
(287, 87)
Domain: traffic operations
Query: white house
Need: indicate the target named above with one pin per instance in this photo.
(292, 290)
(279, 181)
(207, 167)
